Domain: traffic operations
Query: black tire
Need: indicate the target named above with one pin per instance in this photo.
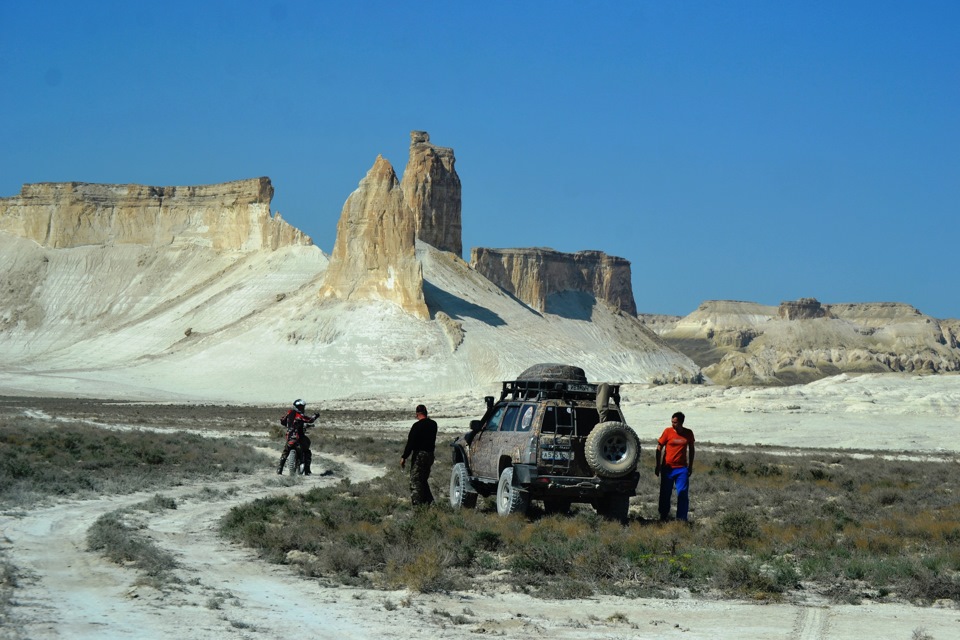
(293, 463)
(510, 499)
(612, 450)
(614, 507)
(557, 505)
(461, 493)
(554, 372)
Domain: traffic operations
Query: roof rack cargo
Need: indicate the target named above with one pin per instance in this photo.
(558, 389)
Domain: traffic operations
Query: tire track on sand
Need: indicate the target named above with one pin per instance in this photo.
(68, 592)
(811, 624)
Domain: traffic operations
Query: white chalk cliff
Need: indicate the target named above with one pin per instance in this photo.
(199, 293)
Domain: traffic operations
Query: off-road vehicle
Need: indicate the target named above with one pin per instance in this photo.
(551, 436)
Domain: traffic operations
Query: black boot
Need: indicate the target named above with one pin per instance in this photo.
(280, 468)
(307, 459)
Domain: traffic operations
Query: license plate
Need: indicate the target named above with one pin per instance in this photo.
(556, 455)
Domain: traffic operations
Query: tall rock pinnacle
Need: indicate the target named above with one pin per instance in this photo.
(374, 256)
(431, 188)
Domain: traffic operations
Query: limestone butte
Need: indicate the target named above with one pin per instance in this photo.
(534, 275)
(431, 188)
(228, 216)
(803, 340)
(374, 255)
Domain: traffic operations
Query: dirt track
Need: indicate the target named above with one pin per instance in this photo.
(226, 591)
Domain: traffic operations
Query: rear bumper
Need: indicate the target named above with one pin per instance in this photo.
(526, 477)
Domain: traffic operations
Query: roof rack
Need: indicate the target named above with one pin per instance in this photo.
(558, 389)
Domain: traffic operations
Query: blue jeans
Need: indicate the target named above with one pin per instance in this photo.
(670, 476)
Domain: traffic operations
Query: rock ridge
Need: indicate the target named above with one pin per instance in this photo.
(536, 274)
(804, 340)
(226, 216)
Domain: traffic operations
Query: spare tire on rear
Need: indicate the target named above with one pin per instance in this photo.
(612, 450)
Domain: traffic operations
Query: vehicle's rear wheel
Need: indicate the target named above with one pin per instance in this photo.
(612, 450)
(460, 494)
(613, 507)
(556, 505)
(293, 462)
(510, 499)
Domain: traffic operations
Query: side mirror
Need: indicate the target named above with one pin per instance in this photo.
(475, 425)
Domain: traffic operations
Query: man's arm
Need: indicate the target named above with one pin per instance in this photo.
(407, 450)
(656, 462)
(693, 453)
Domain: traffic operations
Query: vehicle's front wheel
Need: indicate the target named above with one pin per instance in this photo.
(460, 494)
(510, 499)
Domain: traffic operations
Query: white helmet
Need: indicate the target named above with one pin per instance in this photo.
(299, 405)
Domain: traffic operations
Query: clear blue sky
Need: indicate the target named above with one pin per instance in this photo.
(749, 150)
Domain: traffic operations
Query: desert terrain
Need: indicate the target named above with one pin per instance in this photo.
(69, 592)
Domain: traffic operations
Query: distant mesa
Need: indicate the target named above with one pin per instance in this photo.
(804, 340)
(534, 275)
(229, 216)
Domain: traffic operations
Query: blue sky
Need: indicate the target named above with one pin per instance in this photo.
(745, 150)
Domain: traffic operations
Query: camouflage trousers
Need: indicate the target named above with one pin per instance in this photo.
(420, 464)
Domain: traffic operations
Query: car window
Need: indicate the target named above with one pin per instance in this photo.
(587, 419)
(493, 424)
(510, 418)
(526, 418)
(557, 420)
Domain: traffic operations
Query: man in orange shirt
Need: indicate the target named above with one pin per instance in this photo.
(674, 464)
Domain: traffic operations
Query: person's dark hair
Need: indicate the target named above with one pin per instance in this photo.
(421, 409)
(679, 416)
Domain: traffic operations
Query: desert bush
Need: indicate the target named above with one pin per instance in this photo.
(157, 503)
(761, 525)
(37, 462)
(117, 536)
(747, 577)
(9, 581)
(738, 529)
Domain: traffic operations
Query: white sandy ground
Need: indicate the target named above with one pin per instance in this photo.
(68, 592)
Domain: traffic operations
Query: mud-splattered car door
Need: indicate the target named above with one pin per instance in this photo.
(499, 442)
(483, 450)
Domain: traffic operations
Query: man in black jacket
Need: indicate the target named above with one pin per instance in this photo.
(421, 443)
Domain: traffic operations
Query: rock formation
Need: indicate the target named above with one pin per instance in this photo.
(534, 275)
(229, 216)
(802, 340)
(802, 309)
(431, 188)
(374, 256)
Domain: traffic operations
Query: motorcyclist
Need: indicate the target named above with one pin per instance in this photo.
(296, 421)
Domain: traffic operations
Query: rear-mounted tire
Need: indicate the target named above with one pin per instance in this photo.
(612, 450)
